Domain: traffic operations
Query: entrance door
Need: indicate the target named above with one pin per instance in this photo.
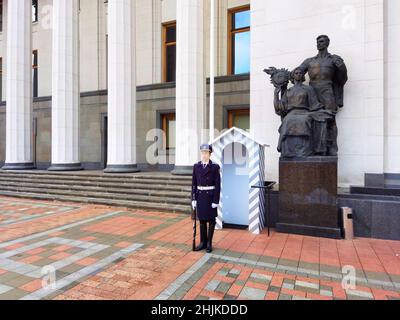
(235, 185)
(104, 140)
(35, 136)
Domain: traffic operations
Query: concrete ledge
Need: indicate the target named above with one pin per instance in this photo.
(183, 171)
(376, 191)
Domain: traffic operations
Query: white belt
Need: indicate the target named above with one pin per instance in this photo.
(205, 188)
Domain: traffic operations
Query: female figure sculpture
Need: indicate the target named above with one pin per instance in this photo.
(303, 132)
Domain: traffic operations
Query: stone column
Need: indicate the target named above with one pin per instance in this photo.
(121, 87)
(65, 87)
(222, 44)
(19, 134)
(157, 41)
(190, 85)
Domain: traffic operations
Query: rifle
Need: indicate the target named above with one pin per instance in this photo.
(194, 217)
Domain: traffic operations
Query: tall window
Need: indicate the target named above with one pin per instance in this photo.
(168, 126)
(239, 118)
(1, 15)
(1, 79)
(239, 40)
(107, 61)
(35, 7)
(35, 73)
(169, 52)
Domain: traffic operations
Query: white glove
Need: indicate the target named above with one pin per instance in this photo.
(214, 205)
(194, 204)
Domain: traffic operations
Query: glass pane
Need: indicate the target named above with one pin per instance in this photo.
(34, 10)
(241, 52)
(171, 134)
(171, 34)
(242, 121)
(171, 63)
(241, 19)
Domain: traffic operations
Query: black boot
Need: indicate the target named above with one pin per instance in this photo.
(211, 229)
(203, 236)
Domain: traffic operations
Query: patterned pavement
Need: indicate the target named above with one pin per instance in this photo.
(55, 250)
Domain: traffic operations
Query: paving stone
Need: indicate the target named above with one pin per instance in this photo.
(307, 285)
(326, 293)
(4, 288)
(378, 278)
(223, 287)
(252, 294)
(267, 259)
(288, 286)
(263, 278)
(274, 289)
(358, 293)
(240, 283)
(212, 285)
(299, 298)
(13, 294)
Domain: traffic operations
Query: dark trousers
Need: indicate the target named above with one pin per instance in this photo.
(206, 236)
(212, 221)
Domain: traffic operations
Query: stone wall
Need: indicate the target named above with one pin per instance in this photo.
(152, 100)
(365, 34)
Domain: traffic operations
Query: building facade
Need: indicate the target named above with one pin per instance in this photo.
(87, 113)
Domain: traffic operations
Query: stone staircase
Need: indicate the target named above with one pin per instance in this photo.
(155, 191)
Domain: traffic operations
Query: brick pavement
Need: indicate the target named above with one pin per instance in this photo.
(55, 250)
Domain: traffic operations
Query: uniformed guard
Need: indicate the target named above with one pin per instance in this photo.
(206, 190)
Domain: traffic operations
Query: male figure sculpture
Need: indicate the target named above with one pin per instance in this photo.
(328, 75)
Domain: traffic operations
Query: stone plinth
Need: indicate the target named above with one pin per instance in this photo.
(308, 197)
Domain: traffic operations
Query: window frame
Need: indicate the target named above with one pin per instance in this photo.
(1, 78)
(35, 73)
(35, 15)
(231, 33)
(166, 44)
(235, 112)
(165, 118)
(1, 15)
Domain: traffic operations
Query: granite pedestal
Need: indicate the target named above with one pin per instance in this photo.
(308, 197)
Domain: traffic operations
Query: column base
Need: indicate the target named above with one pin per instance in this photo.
(182, 171)
(65, 167)
(19, 166)
(131, 168)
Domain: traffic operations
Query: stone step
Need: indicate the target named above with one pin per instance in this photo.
(109, 202)
(101, 195)
(95, 183)
(128, 191)
(159, 180)
(85, 174)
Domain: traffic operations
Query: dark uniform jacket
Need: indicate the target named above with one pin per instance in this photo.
(206, 177)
